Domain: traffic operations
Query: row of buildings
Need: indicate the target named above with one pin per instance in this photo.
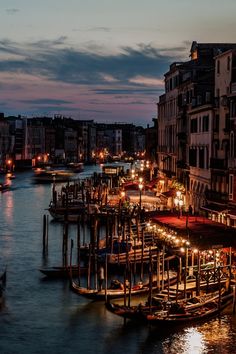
(197, 130)
(193, 140)
(24, 142)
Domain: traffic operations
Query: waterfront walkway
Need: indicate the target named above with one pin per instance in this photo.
(200, 230)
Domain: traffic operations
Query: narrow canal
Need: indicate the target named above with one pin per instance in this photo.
(42, 316)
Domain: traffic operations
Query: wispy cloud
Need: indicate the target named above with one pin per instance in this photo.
(12, 11)
(47, 101)
(81, 67)
(93, 29)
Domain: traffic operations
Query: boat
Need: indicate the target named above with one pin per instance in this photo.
(70, 212)
(4, 187)
(110, 293)
(184, 314)
(134, 313)
(11, 176)
(47, 175)
(175, 312)
(76, 167)
(117, 290)
(63, 272)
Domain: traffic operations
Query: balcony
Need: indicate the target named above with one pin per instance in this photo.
(233, 88)
(224, 101)
(169, 173)
(232, 163)
(182, 164)
(218, 164)
(214, 196)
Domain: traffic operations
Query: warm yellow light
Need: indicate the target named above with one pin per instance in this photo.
(178, 193)
(176, 201)
(140, 186)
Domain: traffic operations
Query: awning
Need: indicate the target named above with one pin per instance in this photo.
(153, 182)
(131, 185)
(168, 194)
(215, 208)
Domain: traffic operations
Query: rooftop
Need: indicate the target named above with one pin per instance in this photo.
(202, 232)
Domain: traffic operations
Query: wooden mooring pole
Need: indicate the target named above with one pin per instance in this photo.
(45, 233)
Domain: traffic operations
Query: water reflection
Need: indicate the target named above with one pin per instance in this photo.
(8, 209)
(66, 322)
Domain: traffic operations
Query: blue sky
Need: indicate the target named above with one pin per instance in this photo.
(100, 59)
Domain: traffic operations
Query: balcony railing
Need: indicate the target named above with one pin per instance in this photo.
(233, 87)
(232, 162)
(214, 196)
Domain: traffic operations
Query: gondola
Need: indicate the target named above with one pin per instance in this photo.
(63, 272)
(173, 313)
(111, 293)
(4, 187)
(188, 315)
(118, 291)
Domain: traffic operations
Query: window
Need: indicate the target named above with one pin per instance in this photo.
(231, 151)
(228, 63)
(205, 123)
(216, 121)
(193, 157)
(218, 66)
(208, 97)
(201, 158)
(227, 122)
(193, 127)
(231, 186)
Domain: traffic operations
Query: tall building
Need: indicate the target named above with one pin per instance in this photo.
(189, 149)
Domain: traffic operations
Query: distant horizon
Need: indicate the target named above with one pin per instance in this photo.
(77, 119)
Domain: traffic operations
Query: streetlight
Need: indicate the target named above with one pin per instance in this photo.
(179, 203)
(122, 197)
(9, 164)
(133, 174)
(140, 186)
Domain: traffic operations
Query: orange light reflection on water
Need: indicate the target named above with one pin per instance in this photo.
(8, 210)
(195, 342)
(209, 337)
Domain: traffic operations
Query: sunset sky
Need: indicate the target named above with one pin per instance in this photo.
(100, 59)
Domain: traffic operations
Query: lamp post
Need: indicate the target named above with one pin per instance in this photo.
(140, 186)
(179, 203)
(9, 165)
(122, 197)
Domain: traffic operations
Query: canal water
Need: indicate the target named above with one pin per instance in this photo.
(45, 317)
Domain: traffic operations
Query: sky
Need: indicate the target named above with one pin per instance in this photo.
(100, 59)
